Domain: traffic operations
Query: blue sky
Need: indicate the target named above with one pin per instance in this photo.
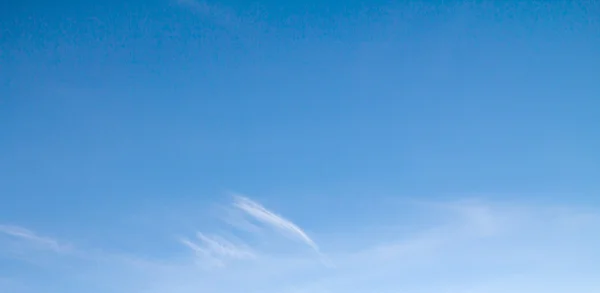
(306, 146)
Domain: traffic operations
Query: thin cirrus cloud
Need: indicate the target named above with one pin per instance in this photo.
(271, 219)
(33, 238)
(457, 250)
(223, 247)
(532, 248)
(218, 251)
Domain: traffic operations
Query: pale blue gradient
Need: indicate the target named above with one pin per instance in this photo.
(470, 131)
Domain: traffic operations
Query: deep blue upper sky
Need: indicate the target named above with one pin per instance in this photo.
(118, 101)
(109, 107)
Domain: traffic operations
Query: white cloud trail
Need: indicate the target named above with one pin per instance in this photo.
(33, 238)
(260, 213)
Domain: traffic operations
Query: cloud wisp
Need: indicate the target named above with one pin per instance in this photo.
(217, 250)
(464, 246)
(267, 217)
(33, 238)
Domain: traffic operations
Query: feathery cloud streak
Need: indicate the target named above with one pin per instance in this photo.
(217, 250)
(468, 247)
(33, 238)
(261, 214)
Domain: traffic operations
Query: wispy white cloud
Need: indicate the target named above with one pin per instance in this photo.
(195, 247)
(225, 248)
(34, 239)
(261, 214)
(469, 247)
(217, 250)
(238, 220)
